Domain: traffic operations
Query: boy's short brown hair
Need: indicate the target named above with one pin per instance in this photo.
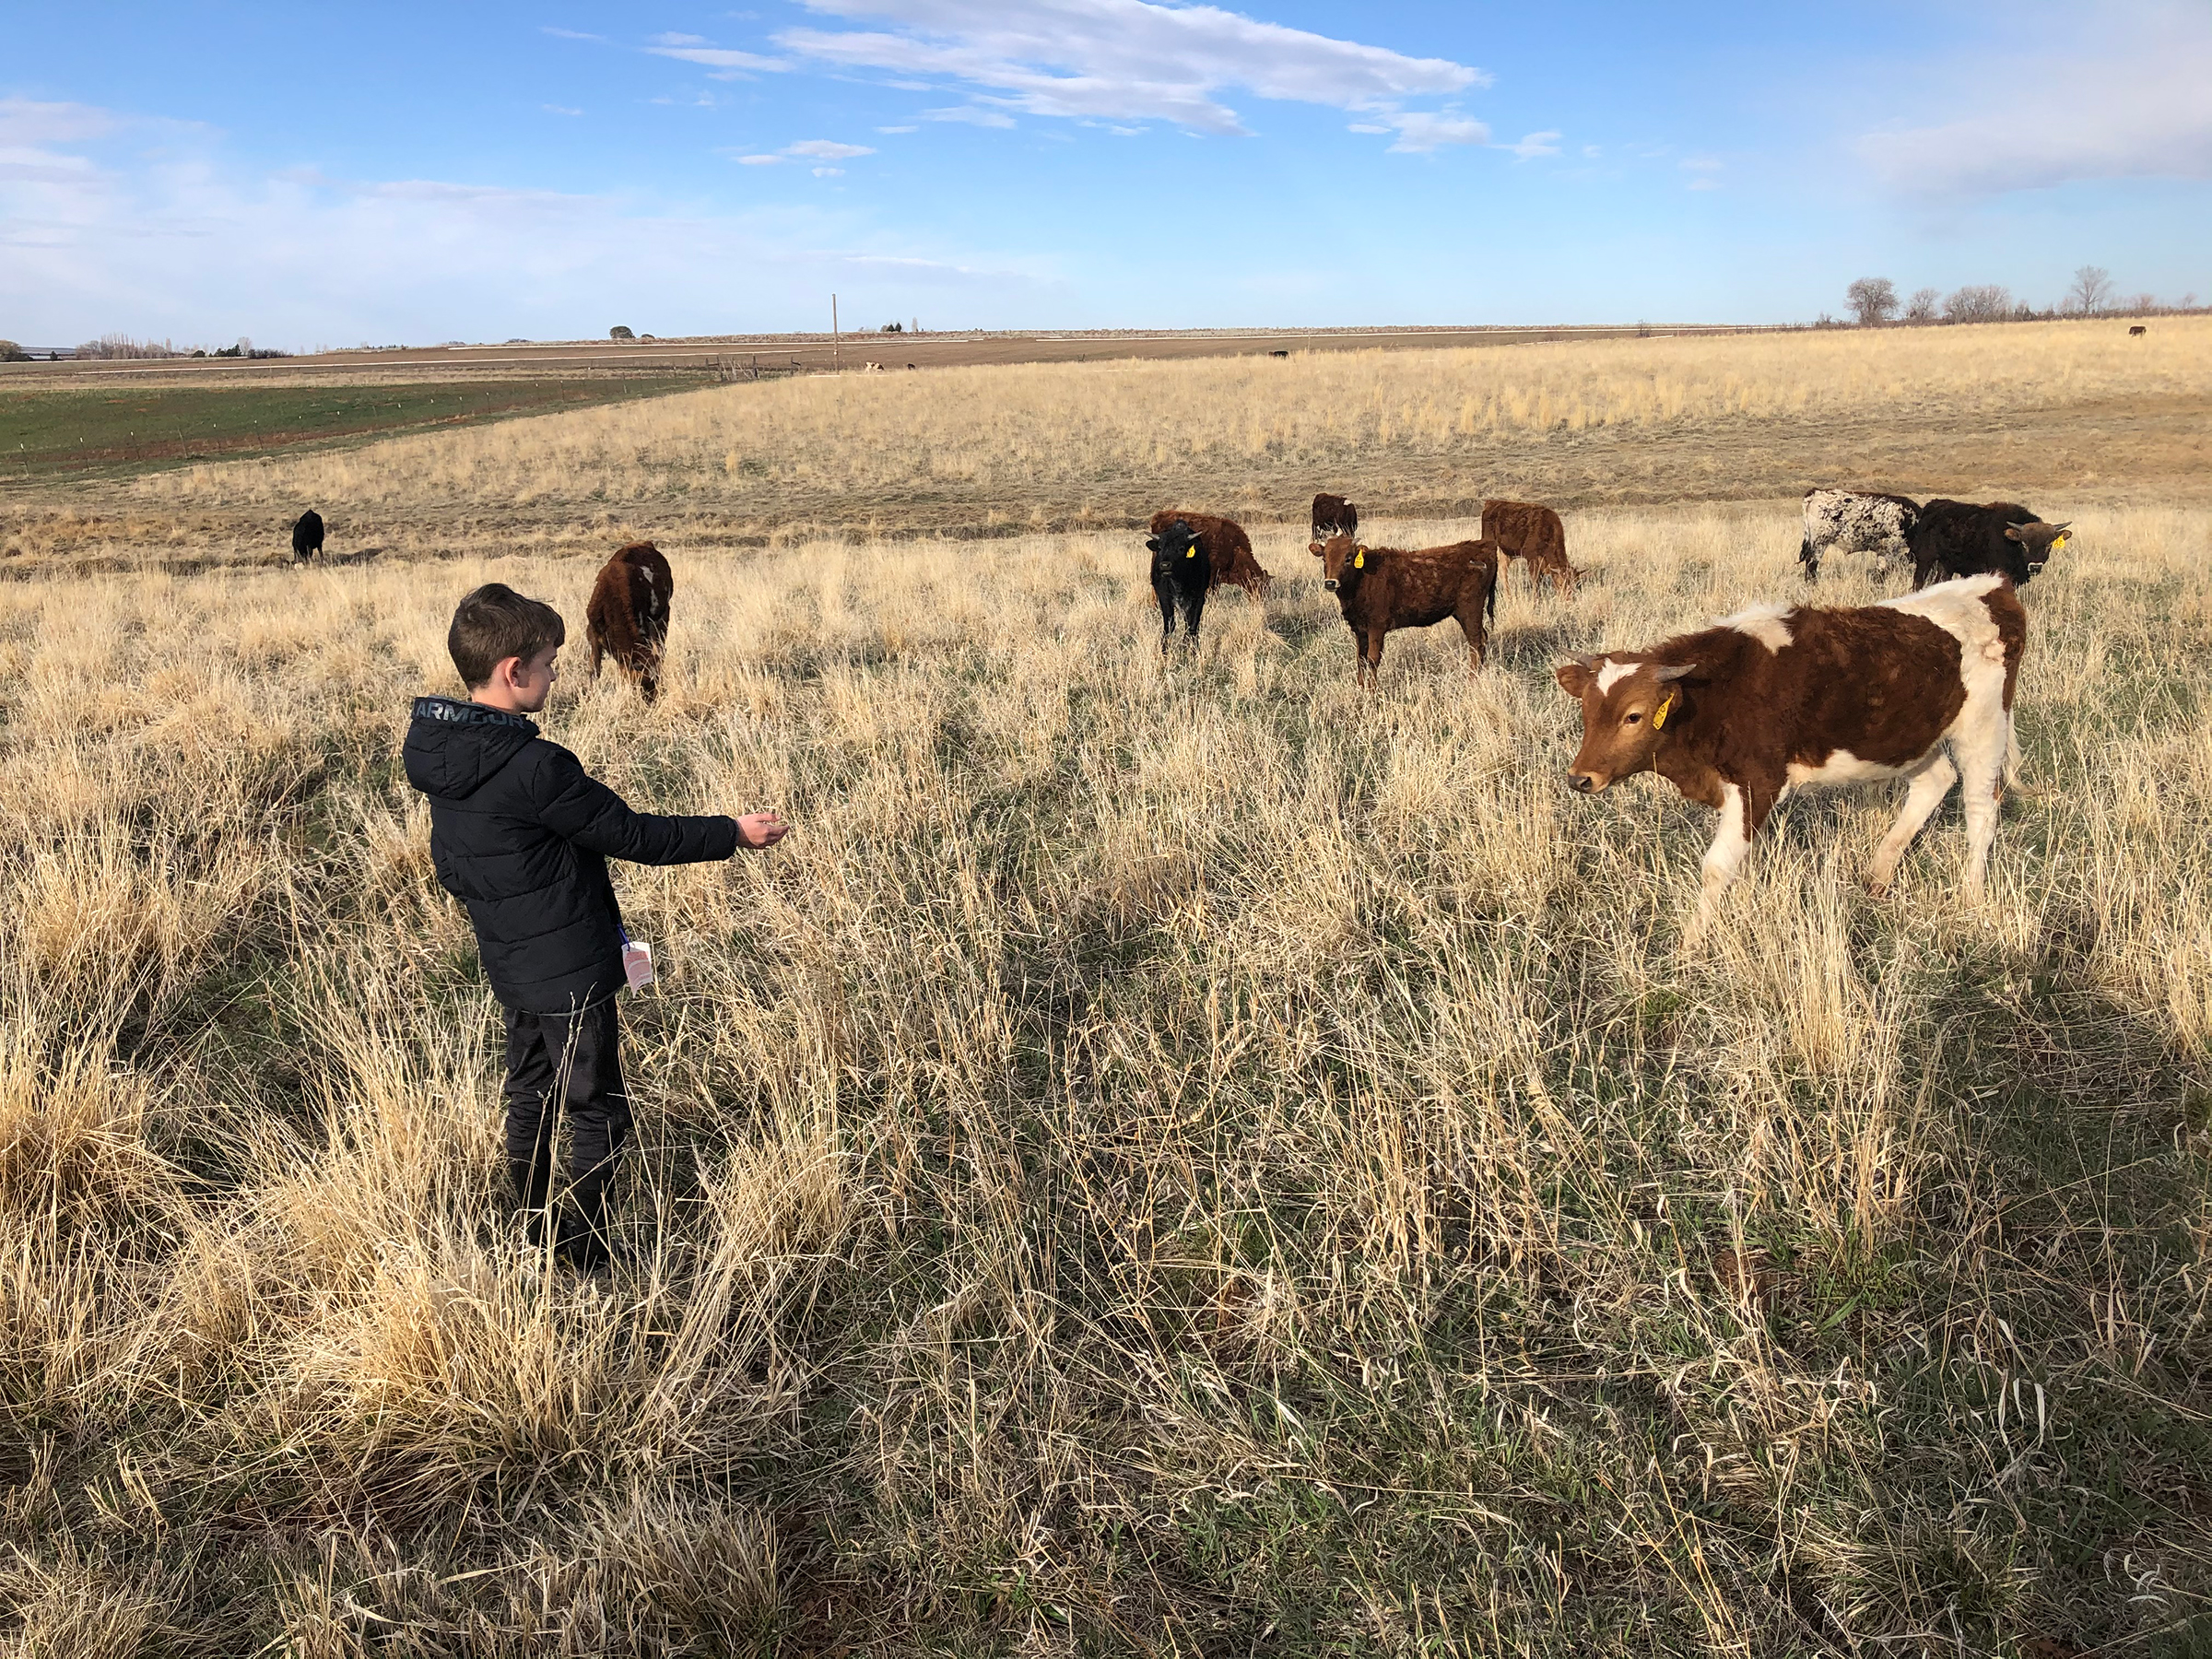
(495, 623)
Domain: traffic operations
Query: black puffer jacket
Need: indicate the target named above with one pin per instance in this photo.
(520, 835)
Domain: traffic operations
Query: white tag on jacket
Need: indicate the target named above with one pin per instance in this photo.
(636, 963)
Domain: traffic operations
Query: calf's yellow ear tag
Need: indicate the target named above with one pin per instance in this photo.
(1190, 552)
(1659, 714)
(1359, 559)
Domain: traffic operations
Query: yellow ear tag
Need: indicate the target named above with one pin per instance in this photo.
(1659, 714)
(1190, 553)
(1359, 559)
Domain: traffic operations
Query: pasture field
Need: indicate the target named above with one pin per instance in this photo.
(2020, 412)
(67, 432)
(1167, 1158)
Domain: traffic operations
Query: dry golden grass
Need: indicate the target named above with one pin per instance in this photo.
(1167, 1158)
(1970, 411)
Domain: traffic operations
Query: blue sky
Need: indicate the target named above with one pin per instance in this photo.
(398, 173)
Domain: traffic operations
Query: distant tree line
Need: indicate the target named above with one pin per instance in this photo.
(1874, 302)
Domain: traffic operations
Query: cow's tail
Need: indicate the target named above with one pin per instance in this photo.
(1804, 552)
(1491, 600)
(2014, 780)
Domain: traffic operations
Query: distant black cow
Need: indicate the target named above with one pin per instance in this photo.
(1957, 538)
(1181, 576)
(1333, 516)
(1285, 354)
(2138, 329)
(307, 535)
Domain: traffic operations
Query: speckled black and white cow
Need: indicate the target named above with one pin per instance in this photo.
(1848, 521)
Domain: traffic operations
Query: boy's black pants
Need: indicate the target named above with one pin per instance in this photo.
(566, 1065)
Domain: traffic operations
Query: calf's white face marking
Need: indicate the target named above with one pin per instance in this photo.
(1612, 674)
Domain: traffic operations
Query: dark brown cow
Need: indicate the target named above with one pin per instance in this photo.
(2138, 329)
(1333, 516)
(628, 616)
(1227, 548)
(1738, 715)
(1382, 588)
(1533, 534)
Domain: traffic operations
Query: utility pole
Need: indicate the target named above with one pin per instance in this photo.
(833, 331)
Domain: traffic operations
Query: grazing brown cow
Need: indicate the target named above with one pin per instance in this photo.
(1736, 716)
(1333, 516)
(1533, 534)
(1382, 588)
(2138, 329)
(1227, 548)
(628, 616)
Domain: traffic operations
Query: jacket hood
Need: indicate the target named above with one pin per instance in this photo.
(454, 748)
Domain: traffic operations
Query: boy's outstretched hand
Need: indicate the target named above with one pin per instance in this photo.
(758, 829)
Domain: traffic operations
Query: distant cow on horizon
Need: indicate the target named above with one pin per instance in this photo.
(1227, 548)
(2138, 329)
(306, 536)
(627, 618)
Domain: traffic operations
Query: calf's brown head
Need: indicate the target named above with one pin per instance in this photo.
(1343, 561)
(1626, 708)
(2037, 540)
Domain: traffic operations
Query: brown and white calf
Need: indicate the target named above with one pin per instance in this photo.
(1382, 588)
(627, 617)
(1918, 687)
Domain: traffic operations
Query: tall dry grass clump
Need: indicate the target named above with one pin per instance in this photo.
(1169, 1158)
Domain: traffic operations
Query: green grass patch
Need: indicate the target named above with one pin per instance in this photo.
(100, 432)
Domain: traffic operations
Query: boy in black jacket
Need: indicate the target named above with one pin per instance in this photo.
(521, 835)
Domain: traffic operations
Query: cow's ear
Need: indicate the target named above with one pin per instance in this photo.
(1153, 543)
(2012, 533)
(1315, 548)
(1573, 677)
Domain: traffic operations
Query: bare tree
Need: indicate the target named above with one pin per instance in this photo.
(1978, 302)
(1921, 307)
(1873, 300)
(2091, 292)
(2143, 305)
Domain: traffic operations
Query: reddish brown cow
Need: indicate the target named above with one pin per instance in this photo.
(1533, 534)
(1738, 715)
(1227, 548)
(1382, 588)
(1333, 516)
(628, 616)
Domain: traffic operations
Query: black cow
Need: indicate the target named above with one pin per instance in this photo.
(1182, 573)
(307, 535)
(1957, 538)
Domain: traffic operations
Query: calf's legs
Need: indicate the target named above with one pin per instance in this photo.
(1929, 787)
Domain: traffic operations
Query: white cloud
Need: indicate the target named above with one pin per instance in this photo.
(1591, 152)
(1366, 126)
(1125, 59)
(25, 123)
(152, 228)
(1533, 144)
(828, 173)
(1419, 133)
(570, 34)
(826, 149)
(972, 115)
(2128, 100)
(716, 57)
(898, 129)
(559, 110)
(680, 40)
(760, 161)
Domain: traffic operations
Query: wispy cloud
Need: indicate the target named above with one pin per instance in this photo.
(2127, 99)
(1419, 133)
(827, 149)
(570, 34)
(1701, 170)
(1533, 144)
(828, 173)
(1129, 59)
(717, 57)
(972, 114)
(559, 110)
(898, 129)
